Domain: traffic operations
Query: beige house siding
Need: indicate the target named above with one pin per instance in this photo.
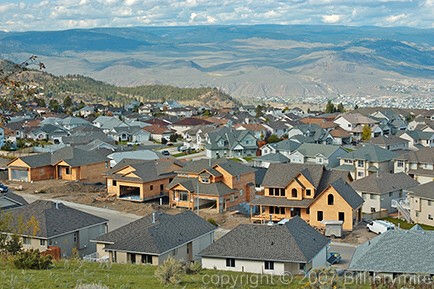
(421, 210)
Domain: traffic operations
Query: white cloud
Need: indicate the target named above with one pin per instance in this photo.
(395, 18)
(331, 19)
(211, 19)
(193, 16)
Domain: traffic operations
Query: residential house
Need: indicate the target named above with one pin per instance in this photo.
(285, 147)
(185, 124)
(52, 224)
(265, 160)
(11, 200)
(418, 139)
(156, 237)
(227, 142)
(309, 191)
(378, 190)
(394, 120)
(219, 185)
(258, 130)
(187, 111)
(367, 160)
(291, 248)
(417, 164)
(340, 136)
(318, 154)
(421, 202)
(85, 111)
(354, 123)
(279, 128)
(158, 133)
(133, 134)
(139, 181)
(395, 252)
(108, 123)
(171, 104)
(250, 109)
(196, 137)
(67, 163)
(70, 122)
(390, 142)
(309, 133)
(144, 155)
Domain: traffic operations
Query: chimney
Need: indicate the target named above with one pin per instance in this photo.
(153, 218)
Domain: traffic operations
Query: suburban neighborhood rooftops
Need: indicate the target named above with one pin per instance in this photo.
(294, 241)
(396, 251)
(167, 233)
(279, 175)
(347, 193)
(193, 185)
(384, 182)
(423, 155)
(371, 153)
(424, 191)
(53, 219)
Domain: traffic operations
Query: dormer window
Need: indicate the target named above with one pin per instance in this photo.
(294, 193)
(204, 180)
(330, 200)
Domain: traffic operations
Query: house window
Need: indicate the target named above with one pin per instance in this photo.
(341, 216)
(238, 177)
(308, 192)
(282, 192)
(26, 241)
(360, 164)
(319, 216)
(115, 183)
(294, 193)
(269, 265)
(151, 188)
(271, 191)
(42, 242)
(429, 202)
(430, 217)
(68, 170)
(205, 180)
(373, 210)
(390, 194)
(400, 164)
(241, 192)
(360, 174)
(417, 214)
(75, 237)
(330, 200)
(183, 196)
(161, 188)
(147, 259)
(373, 197)
(230, 262)
(302, 266)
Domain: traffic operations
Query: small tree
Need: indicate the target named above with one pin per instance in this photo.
(273, 138)
(173, 137)
(330, 107)
(67, 102)
(32, 259)
(341, 107)
(366, 132)
(170, 272)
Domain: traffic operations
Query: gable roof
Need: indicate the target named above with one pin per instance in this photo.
(311, 149)
(167, 233)
(357, 118)
(194, 186)
(347, 193)
(294, 241)
(371, 153)
(396, 251)
(387, 140)
(384, 182)
(54, 219)
(11, 200)
(285, 145)
(190, 121)
(423, 155)
(280, 175)
(424, 191)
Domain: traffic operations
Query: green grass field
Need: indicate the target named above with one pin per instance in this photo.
(404, 225)
(68, 274)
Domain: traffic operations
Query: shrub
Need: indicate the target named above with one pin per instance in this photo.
(212, 221)
(32, 259)
(170, 272)
(193, 267)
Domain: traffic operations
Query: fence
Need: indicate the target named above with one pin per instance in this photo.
(375, 215)
(53, 251)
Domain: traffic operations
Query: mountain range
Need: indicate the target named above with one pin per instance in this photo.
(244, 61)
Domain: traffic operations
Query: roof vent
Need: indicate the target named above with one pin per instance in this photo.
(153, 218)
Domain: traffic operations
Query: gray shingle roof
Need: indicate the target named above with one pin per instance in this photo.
(273, 158)
(168, 232)
(286, 145)
(54, 221)
(371, 153)
(294, 241)
(347, 193)
(279, 175)
(423, 155)
(424, 191)
(385, 182)
(311, 150)
(192, 184)
(396, 251)
(281, 202)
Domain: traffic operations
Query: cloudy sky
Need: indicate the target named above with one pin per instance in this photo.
(65, 14)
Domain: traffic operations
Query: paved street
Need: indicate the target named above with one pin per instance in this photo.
(346, 251)
(116, 218)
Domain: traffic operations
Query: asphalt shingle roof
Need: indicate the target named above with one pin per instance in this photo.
(192, 184)
(279, 175)
(168, 232)
(52, 220)
(384, 182)
(396, 251)
(423, 155)
(294, 241)
(371, 153)
(424, 191)
(347, 193)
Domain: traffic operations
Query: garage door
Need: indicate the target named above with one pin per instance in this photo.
(19, 175)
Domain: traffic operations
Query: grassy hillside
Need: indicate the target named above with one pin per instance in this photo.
(68, 274)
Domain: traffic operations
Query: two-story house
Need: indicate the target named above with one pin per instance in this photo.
(309, 191)
(318, 154)
(219, 185)
(367, 160)
(417, 164)
(418, 139)
(421, 201)
(138, 180)
(310, 133)
(285, 147)
(390, 142)
(354, 123)
(227, 142)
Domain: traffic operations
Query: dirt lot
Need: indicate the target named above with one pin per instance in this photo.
(95, 195)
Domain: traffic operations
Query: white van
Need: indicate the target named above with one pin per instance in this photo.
(380, 226)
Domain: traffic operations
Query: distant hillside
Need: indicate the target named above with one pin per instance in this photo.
(93, 91)
(244, 61)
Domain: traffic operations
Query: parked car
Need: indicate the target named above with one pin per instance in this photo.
(165, 153)
(380, 226)
(3, 188)
(182, 148)
(334, 258)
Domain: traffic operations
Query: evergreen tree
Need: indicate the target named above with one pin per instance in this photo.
(330, 107)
